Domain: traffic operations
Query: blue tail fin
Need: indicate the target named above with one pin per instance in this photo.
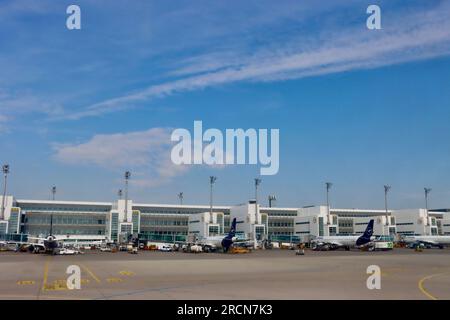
(365, 238)
(369, 230)
(228, 240)
(232, 232)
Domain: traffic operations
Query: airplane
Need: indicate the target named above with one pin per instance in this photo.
(216, 242)
(48, 244)
(428, 241)
(346, 242)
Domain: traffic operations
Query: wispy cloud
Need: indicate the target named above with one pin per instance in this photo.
(145, 153)
(3, 124)
(409, 38)
(17, 103)
(10, 9)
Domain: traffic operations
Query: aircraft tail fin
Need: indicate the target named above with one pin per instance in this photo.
(232, 232)
(228, 240)
(365, 238)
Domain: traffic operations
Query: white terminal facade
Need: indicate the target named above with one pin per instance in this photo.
(112, 221)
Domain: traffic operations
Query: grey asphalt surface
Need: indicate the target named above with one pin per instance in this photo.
(265, 274)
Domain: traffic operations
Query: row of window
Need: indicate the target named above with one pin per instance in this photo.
(78, 209)
(280, 224)
(345, 223)
(78, 220)
(164, 232)
(281, 214)
(45, 231)
(173, 211)
(280, 233)
(151, 222)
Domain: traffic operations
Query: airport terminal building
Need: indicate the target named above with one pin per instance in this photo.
(111, 220)
(114, 221)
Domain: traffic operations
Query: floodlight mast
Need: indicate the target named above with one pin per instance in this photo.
(127, 178)
(5, 170)
(53, 193)
(386, 191)
(427, 192)
(212, 181)
(272, 198)
(328, 186)
(257, 183)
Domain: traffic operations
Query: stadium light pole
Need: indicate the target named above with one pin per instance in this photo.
(127, 178)
(427, 192)
(328, 186)
(212, 180)
(272, 198)
(386, 190)
(53, 192)
(257, 183)
(5, 170)
(180, 196)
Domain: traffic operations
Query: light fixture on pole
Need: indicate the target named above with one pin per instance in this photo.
(53, 192)
(127, 178)
(212, 180)
(5, 170)
(328, 186)
(257, 183)
(120, 193)
(386, 190)
(272, 198)
(427, 192)
(180, 196)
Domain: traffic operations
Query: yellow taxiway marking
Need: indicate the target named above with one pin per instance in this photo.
(114, 280)
(90, 273)
(44, 281)
(425, 292)
(127, 273)
(61, 284)
(57, 285)
(25, 282)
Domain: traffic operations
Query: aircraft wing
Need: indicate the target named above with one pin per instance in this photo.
(335, 243)
(329, 243)
(429, 242)
(211, 243)
(37, 239)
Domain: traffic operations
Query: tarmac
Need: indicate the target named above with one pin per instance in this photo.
(263, 274)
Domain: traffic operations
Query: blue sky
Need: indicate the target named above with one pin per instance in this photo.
(356, 107)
